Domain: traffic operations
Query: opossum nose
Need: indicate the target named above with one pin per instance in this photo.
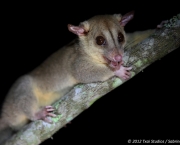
(118, 58)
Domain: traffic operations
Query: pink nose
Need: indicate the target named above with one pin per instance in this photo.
(118, 58)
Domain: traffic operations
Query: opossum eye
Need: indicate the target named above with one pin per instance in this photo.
(120, 37)
(100, 40)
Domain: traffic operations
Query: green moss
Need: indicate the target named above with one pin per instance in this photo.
(132, 74)
(56, 105)
(117, 82)
(57, 118)
(172, 21)
(79, 86)
(139, 63)
(69, 119)
(92, 102)
(178, 16)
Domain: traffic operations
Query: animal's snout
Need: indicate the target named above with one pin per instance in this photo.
(114, 60)
(118, 58)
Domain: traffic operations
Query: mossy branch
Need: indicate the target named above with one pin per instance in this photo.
(82, 96)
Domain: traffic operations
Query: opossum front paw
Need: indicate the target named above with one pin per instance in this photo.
(123, 72)
(44, 113)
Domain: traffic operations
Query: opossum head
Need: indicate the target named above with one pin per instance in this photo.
(103, 38)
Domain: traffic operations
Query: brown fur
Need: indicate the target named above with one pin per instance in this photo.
(82, 61)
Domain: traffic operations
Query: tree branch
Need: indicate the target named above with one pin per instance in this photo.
(82, 96)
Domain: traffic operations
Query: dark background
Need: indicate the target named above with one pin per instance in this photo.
(146, 107)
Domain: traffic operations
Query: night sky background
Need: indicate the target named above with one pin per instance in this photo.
(146, 107)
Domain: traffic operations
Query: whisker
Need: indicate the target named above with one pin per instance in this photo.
(127, 45)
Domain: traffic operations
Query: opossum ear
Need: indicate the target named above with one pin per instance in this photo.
(78, 30)
(126, 18)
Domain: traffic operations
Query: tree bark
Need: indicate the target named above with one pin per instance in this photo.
(82, 96)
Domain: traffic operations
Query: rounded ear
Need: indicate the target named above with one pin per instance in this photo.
(126, 18)
(78, 30)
